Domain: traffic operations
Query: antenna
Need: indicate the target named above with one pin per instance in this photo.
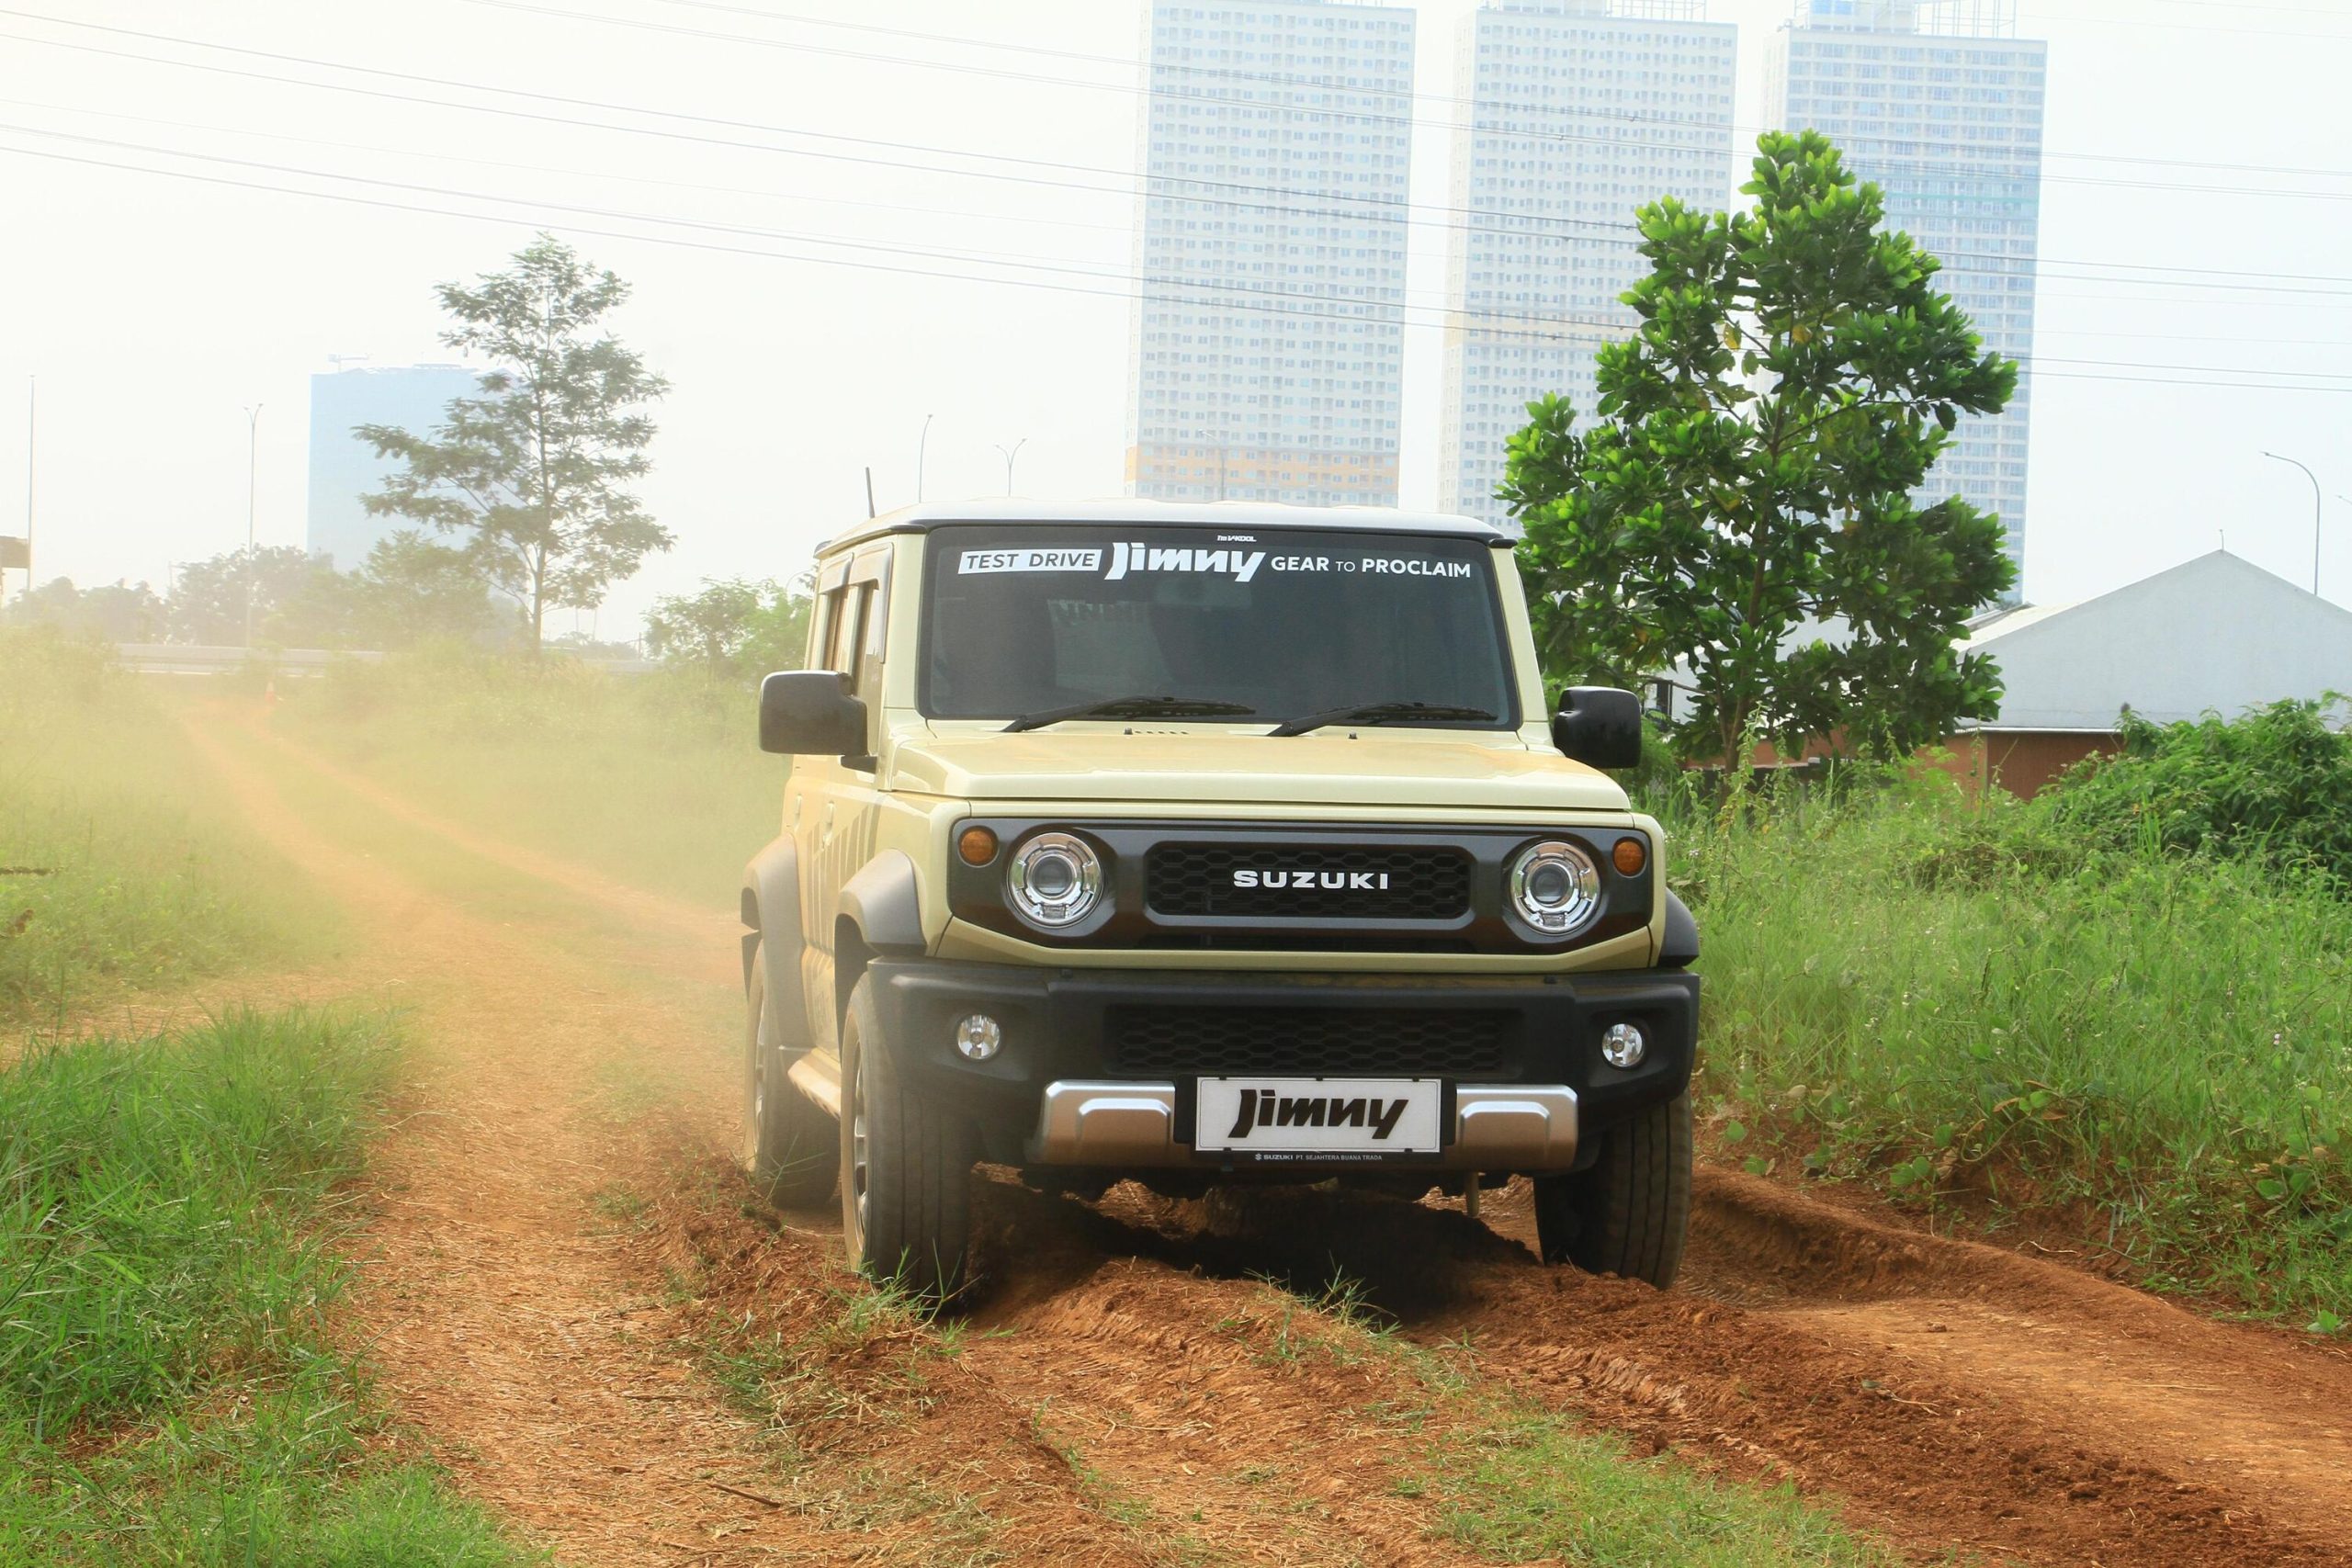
(870, 511)
(340, 360)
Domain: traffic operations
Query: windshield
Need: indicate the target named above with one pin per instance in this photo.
(1024, 620)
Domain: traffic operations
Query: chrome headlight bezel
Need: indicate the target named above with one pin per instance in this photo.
(1086, 890)
(1537, 871)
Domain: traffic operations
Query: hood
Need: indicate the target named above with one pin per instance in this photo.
(1192, 767)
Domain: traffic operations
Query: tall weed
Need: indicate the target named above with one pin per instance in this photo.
(1971, 1002)
(119, 867)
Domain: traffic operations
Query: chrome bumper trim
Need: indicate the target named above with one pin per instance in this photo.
(1108, 1123)
(1496, 1127)
(1514, 1127)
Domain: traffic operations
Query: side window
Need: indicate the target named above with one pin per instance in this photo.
(841, 628)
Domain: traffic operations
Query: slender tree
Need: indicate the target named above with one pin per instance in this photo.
(1795, 375)
(535, 471)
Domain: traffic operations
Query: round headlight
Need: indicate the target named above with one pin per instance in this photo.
(1055, 879)
(1556, 888)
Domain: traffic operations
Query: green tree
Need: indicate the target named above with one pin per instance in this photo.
(731, 625)
(114, 612)
(410, 590)
(535, 471)
(1795, 375)
(299, 601)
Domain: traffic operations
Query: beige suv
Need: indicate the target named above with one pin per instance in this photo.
(1203, 845)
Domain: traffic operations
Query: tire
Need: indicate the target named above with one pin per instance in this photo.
(788, 1140)
(1629, 1213)
(906, 1169)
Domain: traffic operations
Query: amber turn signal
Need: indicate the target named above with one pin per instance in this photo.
(1630, 856)
(977, 845)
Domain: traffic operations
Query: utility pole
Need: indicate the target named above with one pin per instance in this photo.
(2319, 504)
(253, 430)
(921, 447)
(1009, 453)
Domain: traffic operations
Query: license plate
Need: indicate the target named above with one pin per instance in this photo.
(1342, 1118)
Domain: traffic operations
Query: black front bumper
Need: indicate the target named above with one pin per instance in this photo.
(1070, 1024)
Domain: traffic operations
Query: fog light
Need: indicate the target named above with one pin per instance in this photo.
(978, 1037)
(1624, 1044)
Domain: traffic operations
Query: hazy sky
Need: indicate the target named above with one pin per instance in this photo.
(711, 151)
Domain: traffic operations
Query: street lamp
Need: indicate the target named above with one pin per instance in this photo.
(1009, 453)
(2319, 500)
(920, 448)
(253, 428)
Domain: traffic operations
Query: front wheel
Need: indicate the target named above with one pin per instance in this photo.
(1629, 1213)
(788, 1148)
(906, 1169)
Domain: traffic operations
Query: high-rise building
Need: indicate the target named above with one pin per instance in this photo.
(343, 467)
(1577, 113)
(1269, 255)
(1940, 103)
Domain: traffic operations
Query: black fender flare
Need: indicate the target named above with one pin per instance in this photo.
(1680, 950)
(772, 912)
(879, 916)
(884, 901)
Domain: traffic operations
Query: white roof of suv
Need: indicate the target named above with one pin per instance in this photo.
(1205, 513)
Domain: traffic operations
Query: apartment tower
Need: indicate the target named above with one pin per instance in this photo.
(1269, 255)
(1573, 114)
(1941, 103)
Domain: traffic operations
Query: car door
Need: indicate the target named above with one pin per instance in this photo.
(832, 807)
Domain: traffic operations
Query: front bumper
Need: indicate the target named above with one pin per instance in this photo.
(1098, 1067)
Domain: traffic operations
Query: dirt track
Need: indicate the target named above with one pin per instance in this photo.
(1948, 1395)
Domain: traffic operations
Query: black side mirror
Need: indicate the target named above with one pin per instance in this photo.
(810, 713)
(1597, 726)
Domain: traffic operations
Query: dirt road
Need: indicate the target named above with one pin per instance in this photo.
(522, 1299)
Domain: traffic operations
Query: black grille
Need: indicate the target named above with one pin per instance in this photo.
(1363, 1042)
(1422, 883)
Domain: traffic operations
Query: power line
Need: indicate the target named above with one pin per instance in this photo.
(1938, 169)
(1128, 295)
(766, 192)
(1396, 210)
(2020, 168)
(1282, 79)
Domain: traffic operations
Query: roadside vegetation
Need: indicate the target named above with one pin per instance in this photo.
(119, 868)
(2121, 1012)
(169, 1391)
(652, 779)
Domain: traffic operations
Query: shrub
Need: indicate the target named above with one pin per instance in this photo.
(2275, 786)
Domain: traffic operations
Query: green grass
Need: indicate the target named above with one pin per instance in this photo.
(119, 869)
(1514, 1481)
(1971, 1007)
(655, 779)
(168, 1391)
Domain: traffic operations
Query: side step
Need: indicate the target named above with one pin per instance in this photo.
(820, 1077)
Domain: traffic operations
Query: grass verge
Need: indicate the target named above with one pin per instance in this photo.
(652, 779)
(2150, 1051)
(119, 869)
(1515, 1482)
(169, 1393)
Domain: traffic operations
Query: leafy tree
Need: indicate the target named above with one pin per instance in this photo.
(1795, 375)
(410, 590)
(115, 612)
(298, 600)
(731, 625)
(535, 472)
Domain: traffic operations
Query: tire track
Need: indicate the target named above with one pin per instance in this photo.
(1955, 1396)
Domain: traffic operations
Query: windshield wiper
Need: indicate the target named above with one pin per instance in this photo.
(1385, 713)
(1133, 707)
